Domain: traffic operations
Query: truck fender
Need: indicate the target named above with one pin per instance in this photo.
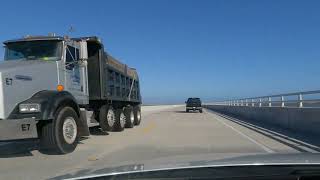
(50, 101)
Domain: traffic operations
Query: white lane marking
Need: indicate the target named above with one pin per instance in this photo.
(279, 135)
(265, 148)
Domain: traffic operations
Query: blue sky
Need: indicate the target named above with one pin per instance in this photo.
(181, 48)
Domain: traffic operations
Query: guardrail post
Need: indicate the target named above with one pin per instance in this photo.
(260, 104)
(269, 100)
(300, 101)
(282, 101)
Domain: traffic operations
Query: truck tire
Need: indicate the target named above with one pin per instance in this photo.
(107, 118)
(200, 110)
(61, 135)
(137, 115)
(128, 112)
(120, 120)
(187, 110)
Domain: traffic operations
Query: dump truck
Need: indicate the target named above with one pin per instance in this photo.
(54, 88)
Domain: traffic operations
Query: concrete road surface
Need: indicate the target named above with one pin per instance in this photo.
(167, 135)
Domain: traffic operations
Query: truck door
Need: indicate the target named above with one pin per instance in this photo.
(75, 75)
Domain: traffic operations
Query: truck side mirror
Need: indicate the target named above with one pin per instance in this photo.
(83, 50)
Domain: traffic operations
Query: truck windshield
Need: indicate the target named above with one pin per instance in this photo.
(33, 50)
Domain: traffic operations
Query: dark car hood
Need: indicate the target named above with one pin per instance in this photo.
(251, 160)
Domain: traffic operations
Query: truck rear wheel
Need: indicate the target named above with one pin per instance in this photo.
(120, 120)
(137, 115)
(61, 135)
(128, 112)
(107, 118)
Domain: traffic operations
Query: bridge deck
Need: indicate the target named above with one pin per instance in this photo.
(167, 135)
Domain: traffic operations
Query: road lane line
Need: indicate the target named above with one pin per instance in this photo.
(149, 127)
(299, 144)
(265, 148)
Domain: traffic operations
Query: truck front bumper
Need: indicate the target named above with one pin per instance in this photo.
(14, 129)
(193, 108)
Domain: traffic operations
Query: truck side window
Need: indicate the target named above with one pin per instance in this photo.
(72, 55)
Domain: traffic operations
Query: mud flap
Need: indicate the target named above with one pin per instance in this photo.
(83, 126)
(18, 129)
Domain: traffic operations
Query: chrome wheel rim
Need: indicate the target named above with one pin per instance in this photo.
(69, 130)
(110, 117)
(122, 119)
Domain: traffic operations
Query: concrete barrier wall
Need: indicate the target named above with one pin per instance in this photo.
(306, 120)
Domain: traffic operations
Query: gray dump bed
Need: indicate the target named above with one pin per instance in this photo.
(122, 81)
(124, 69)
(109, 79)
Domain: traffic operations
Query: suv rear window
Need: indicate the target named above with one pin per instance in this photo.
(194, 100)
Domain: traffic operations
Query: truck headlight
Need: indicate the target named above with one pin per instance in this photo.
(29, 108)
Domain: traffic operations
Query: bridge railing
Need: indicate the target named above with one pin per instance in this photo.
(298, 99)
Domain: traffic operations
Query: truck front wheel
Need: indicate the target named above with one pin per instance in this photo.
(61, 135)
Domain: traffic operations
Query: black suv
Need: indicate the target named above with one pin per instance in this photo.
(193, 104)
